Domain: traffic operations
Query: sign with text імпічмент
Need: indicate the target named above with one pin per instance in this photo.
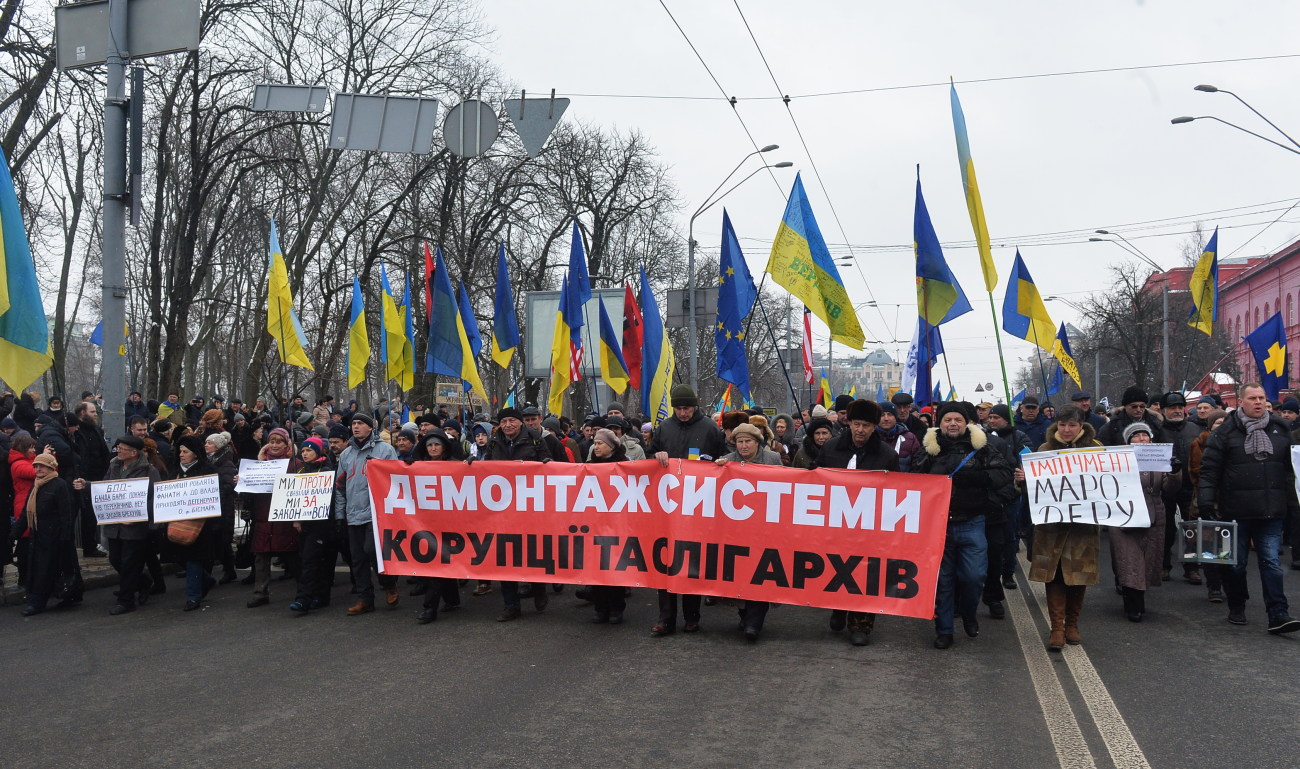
(1098, 486)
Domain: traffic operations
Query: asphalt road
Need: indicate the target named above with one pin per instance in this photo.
(236, 687)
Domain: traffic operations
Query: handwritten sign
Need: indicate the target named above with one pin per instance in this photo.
(187, 498)
(1153, 457)
(302, 497)
(124, 501)
(258, 476)
(1100, 486)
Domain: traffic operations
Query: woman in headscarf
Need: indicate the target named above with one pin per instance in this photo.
(610, 600)
(222, 458)
(316, 538)
(437, 446)
(48, 515)
(819, 431)
(272, 538)
(192, 462)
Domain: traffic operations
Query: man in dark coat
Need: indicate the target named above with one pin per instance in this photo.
(92, 460)
(533, 421)
(1032, 422)
(1003, 531)
(128, 543)
(859, 447)
(517, 442)
(1084, 401)
(135, 407)
(1181, 432)
(684, 435)
(981, 478)
(906, 415)
(1135, 410)
(1247, 477)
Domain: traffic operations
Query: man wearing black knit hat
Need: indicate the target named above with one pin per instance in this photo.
(1135, 410)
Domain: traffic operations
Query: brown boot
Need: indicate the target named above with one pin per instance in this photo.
(1073, 604)
(360, 607)
(1056, 616)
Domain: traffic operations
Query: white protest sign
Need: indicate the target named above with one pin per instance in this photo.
(258, 476)
(1295, 463)
(1099, 486)
(302, 497)
(1153, 457)
(186, 498)
(124, 501)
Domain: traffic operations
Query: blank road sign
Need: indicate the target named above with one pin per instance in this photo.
(470, 128)
(154, 27)
(534, 120)
(383, 123)
(277, 97)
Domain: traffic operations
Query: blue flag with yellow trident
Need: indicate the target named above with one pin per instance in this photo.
(802, 264)
(1204, 287)
(1268, 345)
(736, 295)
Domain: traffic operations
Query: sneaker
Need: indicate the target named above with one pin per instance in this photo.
(1237, 616)
(1283, 623)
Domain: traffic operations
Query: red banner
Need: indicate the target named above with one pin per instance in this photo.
(841, 539)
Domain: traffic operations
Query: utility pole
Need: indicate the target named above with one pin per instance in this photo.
(113, 297)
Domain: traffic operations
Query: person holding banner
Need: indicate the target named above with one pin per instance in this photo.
(271, 538)
(128, 543)
(48, 517)
(222, 459)
(437, 446)
(317, 553)
(858, 447)
(193, 462)
(749, 440)
(815, 437)
(684, 435)
(1247, 476)
(516, 442)
(1138, 553)
(352, 504)
(1064, 555)
(610, 600)
(981, 486)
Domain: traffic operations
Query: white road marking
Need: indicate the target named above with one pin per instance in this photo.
(1067, 738)
(1120, 743)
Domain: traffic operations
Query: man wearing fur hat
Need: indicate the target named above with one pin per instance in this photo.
(981, 477)
(684, 435)
(858, 447)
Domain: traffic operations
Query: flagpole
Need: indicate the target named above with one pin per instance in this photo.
(772, 335)
(1002, 361)
(1042, 372)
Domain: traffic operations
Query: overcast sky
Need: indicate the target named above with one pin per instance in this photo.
(1064, 154)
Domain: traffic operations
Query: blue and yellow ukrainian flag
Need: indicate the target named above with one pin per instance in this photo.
(358, 339)
(802, 264)
(449, 351)
(1023, 312)
(971, 188)
(563, 370)
(658, 364)
(408, 339)
(1204, 286)
(939, 297)
(281, 320)
(392, 343)
(505, 326)
(827, 399)
(613, 369)
(736, 296)
(470, 322)
(1268, 345)
(24, 335)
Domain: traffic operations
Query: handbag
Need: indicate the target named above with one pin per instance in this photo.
(184, 532)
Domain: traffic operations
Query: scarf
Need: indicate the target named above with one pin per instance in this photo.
(1258, 443)
(31, 498)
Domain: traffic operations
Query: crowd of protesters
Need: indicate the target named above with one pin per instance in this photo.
(1230, 465)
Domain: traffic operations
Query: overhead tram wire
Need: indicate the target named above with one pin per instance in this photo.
(813, 164)
(1261, 232)
(729, 99)
(939, 84)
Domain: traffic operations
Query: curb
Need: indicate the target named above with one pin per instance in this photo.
(13, 596)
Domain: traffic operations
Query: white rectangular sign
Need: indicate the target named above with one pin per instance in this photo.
(258, 476)
(186, 498)
(302, 497)
(1153, 457)
(1097, 485)
(125, 501)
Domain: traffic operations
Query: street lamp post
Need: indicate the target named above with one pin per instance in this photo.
(1206, 88)
(692, 330)
(1164, 300)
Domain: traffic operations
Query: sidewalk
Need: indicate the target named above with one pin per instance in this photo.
(96, 572)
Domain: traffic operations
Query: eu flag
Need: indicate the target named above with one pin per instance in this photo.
(736, 295)
(1268, 345)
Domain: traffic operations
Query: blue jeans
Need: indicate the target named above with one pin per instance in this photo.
(961, 575)
(1267, 535)
(197, 580)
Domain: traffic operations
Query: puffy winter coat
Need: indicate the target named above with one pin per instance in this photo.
(526, 446)
(679, 438)
(1240, 487)
(1071, 547)
(875, 454)
(978, 485)
(351, 490)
